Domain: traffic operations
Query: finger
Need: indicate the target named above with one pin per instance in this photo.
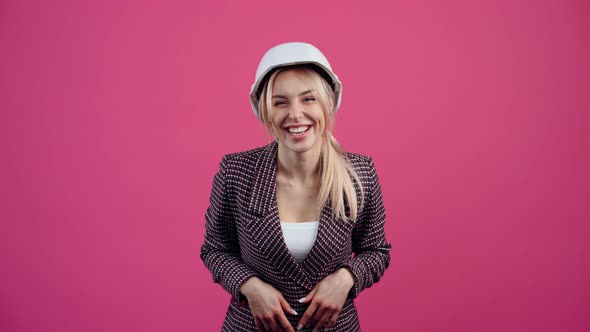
(307, 315)
(333, 319)
(284, 322)
(266, 324)
(259, 325)
(308, 297)
(286, 306)
(323, 320)
(316, 319)
(273, 325)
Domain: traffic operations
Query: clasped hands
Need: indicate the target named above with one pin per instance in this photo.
(325, 300)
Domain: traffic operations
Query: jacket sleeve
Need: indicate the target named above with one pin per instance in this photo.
(370, 248)
(220, 251)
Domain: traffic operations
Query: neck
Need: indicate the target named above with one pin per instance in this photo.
(299, 166)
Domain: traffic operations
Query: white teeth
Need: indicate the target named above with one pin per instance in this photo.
(298, 129)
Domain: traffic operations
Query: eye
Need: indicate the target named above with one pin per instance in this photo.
(309, 99)
(279, 103)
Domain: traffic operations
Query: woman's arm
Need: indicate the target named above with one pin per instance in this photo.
(220, 251)
(371, 250)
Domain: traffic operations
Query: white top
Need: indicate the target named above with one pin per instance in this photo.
(300, 237)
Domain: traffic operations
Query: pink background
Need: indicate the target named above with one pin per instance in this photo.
(115, 115)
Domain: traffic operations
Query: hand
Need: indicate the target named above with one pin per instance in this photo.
(327, 299)
(267, 305)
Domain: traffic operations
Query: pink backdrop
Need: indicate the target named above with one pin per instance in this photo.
(115, 115)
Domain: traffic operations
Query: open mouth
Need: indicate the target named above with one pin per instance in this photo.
(298, 130)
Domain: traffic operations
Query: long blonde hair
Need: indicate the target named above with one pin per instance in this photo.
(336, 175)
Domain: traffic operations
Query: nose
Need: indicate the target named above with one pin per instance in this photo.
(295, 111)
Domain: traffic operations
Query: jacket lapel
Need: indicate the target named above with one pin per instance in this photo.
(333, 236)
(265, 227)
(264, 185)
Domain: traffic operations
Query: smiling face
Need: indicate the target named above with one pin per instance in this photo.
(294, 109)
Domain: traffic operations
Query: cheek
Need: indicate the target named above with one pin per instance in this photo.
(320, 120)
(276, 121)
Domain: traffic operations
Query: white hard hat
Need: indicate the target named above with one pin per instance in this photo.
(291, 54)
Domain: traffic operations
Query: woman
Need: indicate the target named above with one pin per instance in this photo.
(284, 220)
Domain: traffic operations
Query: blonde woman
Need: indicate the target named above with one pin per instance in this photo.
(295, 229)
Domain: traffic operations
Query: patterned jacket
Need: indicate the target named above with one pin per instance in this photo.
(244, 238)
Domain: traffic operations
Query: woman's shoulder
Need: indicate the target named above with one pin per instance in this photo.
(359, 160)
(247, 157)
(364, 167)
(246, 154)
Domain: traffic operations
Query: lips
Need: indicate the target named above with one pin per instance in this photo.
(297, 130)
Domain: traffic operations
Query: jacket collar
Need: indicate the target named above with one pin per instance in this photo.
(265, 184)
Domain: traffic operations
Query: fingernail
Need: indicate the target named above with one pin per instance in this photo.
(301, 300)
(299, 327)
(294, 312)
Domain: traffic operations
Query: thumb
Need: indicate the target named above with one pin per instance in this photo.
(286, 306)
(308, 297)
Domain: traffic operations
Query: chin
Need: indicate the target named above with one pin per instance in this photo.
(300, 148)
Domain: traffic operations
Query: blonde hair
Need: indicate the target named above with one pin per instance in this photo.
(336, 175)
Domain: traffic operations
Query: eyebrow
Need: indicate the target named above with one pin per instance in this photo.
(301, 94)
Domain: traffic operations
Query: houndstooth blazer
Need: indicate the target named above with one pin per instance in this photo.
(243, 238)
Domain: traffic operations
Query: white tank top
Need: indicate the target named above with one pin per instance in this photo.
(300, 237)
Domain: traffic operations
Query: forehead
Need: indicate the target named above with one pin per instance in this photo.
(290, 81)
